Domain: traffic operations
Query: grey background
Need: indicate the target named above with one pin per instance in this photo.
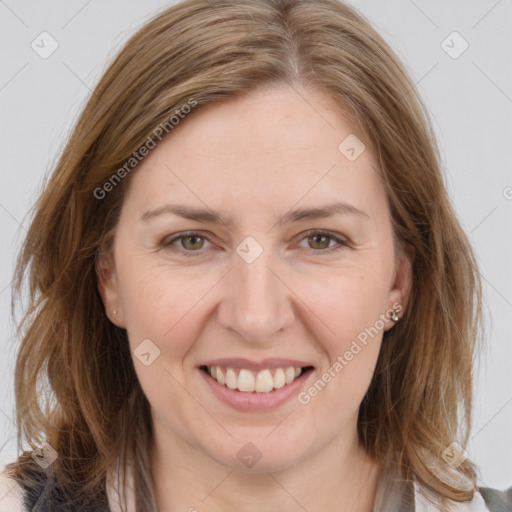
(470, 99)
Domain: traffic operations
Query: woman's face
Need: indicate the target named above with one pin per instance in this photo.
(259, 291)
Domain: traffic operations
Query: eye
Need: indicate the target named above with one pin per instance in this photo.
(321, 240)
(192, 243)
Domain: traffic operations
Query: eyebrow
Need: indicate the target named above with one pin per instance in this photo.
(212, 217)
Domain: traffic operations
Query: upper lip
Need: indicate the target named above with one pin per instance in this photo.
(240, 362)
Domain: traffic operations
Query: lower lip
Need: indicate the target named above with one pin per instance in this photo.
(244, 401)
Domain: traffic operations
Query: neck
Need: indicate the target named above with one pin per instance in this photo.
(341, 477)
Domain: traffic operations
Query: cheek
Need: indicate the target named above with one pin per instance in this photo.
(163, 305)
(350, 335)
(346, 315)
(347, 300)
(148, 292)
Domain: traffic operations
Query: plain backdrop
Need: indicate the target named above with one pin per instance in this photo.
(468, 93)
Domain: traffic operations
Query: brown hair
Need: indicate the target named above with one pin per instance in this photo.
(94, 409)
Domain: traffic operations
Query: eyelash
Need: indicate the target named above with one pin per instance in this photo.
(167, 243)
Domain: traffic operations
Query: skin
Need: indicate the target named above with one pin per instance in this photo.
(254, 158)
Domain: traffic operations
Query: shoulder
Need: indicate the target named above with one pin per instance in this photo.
(426, 501)
(497, 501)
(41, 492)
(11, 494)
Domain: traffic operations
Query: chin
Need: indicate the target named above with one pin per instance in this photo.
(258, 453)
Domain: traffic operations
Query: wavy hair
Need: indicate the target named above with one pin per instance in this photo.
(75, 383)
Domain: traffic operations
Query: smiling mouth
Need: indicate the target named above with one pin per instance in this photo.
(248, 381)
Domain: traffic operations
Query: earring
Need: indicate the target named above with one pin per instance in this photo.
(394, 316)
(115, 311)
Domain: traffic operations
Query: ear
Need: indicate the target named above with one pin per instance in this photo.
(402, 283)
(109, 290)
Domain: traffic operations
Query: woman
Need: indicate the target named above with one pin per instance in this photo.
(248, 287)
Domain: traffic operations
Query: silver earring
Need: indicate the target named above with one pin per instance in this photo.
(394, 316)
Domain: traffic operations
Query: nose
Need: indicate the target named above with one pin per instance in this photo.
(256, 303)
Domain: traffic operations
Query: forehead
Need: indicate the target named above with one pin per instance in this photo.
(270, 146)
(276, 122)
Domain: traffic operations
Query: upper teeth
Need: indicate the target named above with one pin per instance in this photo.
(249, 381)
